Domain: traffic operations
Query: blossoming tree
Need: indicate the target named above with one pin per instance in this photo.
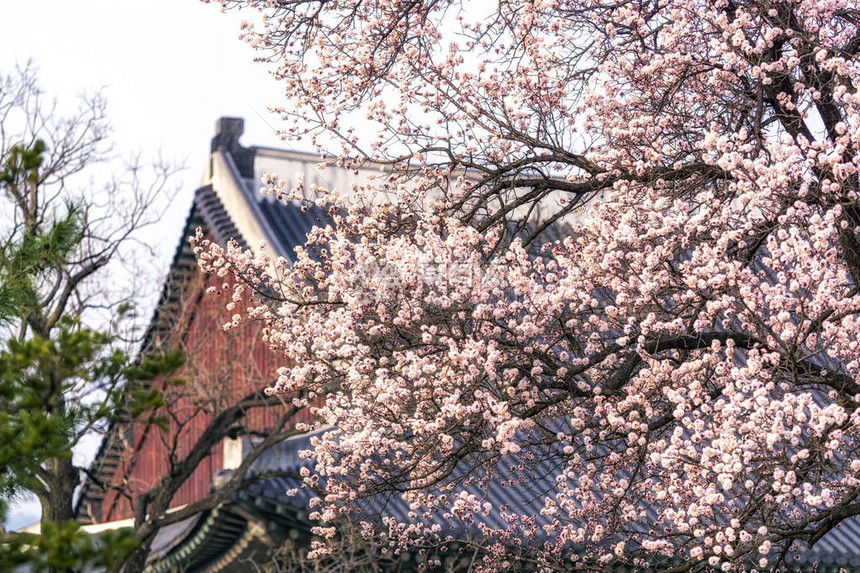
(685, 358)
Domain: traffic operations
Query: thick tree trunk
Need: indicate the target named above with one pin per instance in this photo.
(57, 506)
(64, 480)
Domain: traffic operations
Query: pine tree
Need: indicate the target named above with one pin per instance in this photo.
(62, 365)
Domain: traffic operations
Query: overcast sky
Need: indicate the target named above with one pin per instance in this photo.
(169, 69)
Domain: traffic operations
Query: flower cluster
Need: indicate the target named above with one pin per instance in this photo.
(685, 360)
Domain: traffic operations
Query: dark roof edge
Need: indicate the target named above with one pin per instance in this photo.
(183, 262)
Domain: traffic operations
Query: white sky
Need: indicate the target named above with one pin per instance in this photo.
(169, 69)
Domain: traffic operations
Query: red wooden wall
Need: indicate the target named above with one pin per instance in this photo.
(221, 369)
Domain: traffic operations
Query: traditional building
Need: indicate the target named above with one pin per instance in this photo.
(226, 369)
(222, 380)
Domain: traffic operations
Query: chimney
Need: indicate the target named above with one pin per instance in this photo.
(228, 130)
(227, 133)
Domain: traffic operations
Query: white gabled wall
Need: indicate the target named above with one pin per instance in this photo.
(228, 185)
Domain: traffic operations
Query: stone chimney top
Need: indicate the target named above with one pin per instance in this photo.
(227, 133)
(228, 130)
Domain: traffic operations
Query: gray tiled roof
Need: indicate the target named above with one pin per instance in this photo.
(521, 491)
(290, 223)
(508, 490)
